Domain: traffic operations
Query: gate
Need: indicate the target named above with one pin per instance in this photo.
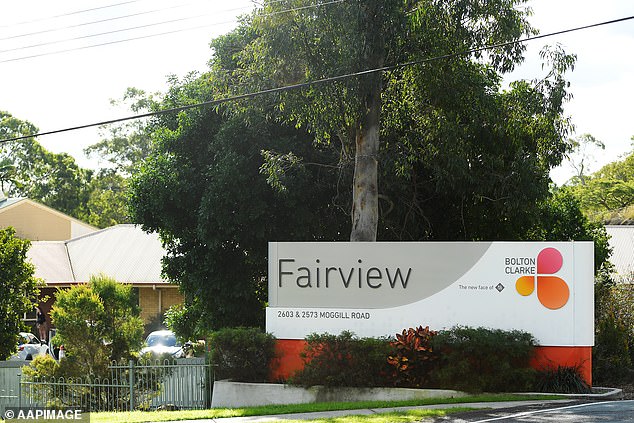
(10, 383)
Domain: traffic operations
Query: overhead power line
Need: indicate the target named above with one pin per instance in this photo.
(115, 31)
(77, 12)
(318, 81)
(141, 37)
(115, 18)
(107, 43)
(68, 14)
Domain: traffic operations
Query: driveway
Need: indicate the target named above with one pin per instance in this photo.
(577, 412)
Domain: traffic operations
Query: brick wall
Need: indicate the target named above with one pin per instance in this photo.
(149, 301)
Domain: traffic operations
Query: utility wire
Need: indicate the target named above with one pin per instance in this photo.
(115, 31)
(69, 14)
(318, 81)
(77, 12)
(147, 12)
(131, 15)
(145, 36)
(149, 25)
(112, 42)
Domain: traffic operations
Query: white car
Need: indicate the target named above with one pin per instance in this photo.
(163, 342)
(29, 347)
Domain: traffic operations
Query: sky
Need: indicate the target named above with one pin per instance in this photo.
(52, 77)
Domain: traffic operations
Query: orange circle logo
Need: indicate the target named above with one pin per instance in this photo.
(552, 291)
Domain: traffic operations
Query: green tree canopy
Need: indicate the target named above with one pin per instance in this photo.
(458, 158)
(203, 191)
(120, 152)
(608, 194)
(18, 289)
(107, 202)
(127, 144)
(29, 170)
(561, 219)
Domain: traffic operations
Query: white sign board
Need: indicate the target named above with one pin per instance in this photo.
(380, 288)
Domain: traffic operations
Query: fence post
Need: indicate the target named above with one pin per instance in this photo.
(20, 389)
(131, 380)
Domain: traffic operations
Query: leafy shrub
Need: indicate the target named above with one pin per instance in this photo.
(484, 360)
(184, 322)
(344, 360)
(562, 379)
(413, 358)
(42, 366)
(613, 354)
(242, 354)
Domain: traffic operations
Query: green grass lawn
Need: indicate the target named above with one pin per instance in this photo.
(404, 416)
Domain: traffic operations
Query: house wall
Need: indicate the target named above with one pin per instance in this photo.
(35, 223)
(78, 229)
(157, 301)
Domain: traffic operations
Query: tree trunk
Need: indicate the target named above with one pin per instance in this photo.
(365, 191)
(365, 194)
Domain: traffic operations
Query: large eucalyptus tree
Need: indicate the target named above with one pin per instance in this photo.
(366, 40)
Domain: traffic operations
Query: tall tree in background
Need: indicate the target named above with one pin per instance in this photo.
(608, 194)
(581, 157)
(292, 45)
(107, 202)
(51, 178)
(126, 145)
(120, 152)
(29, 170)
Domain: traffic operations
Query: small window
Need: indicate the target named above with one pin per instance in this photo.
(29, 317)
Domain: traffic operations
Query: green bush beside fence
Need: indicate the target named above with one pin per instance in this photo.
(241, 354)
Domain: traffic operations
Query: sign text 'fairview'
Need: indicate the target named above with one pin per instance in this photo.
(324, 276)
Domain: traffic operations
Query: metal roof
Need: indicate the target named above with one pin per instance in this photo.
(622, 243)
(123, 252)
(51, 261)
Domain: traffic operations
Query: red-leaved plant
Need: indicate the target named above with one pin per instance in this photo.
(413, 357)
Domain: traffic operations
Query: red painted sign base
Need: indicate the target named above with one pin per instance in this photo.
(289, 361)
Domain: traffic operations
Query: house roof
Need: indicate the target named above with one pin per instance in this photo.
(123, 252)
(6, 202)
(622, 243)
(51, 261)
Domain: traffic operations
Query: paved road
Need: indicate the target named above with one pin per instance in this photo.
(560, 411)
(579, 412)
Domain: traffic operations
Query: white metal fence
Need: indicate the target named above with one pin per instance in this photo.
(179, 384)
